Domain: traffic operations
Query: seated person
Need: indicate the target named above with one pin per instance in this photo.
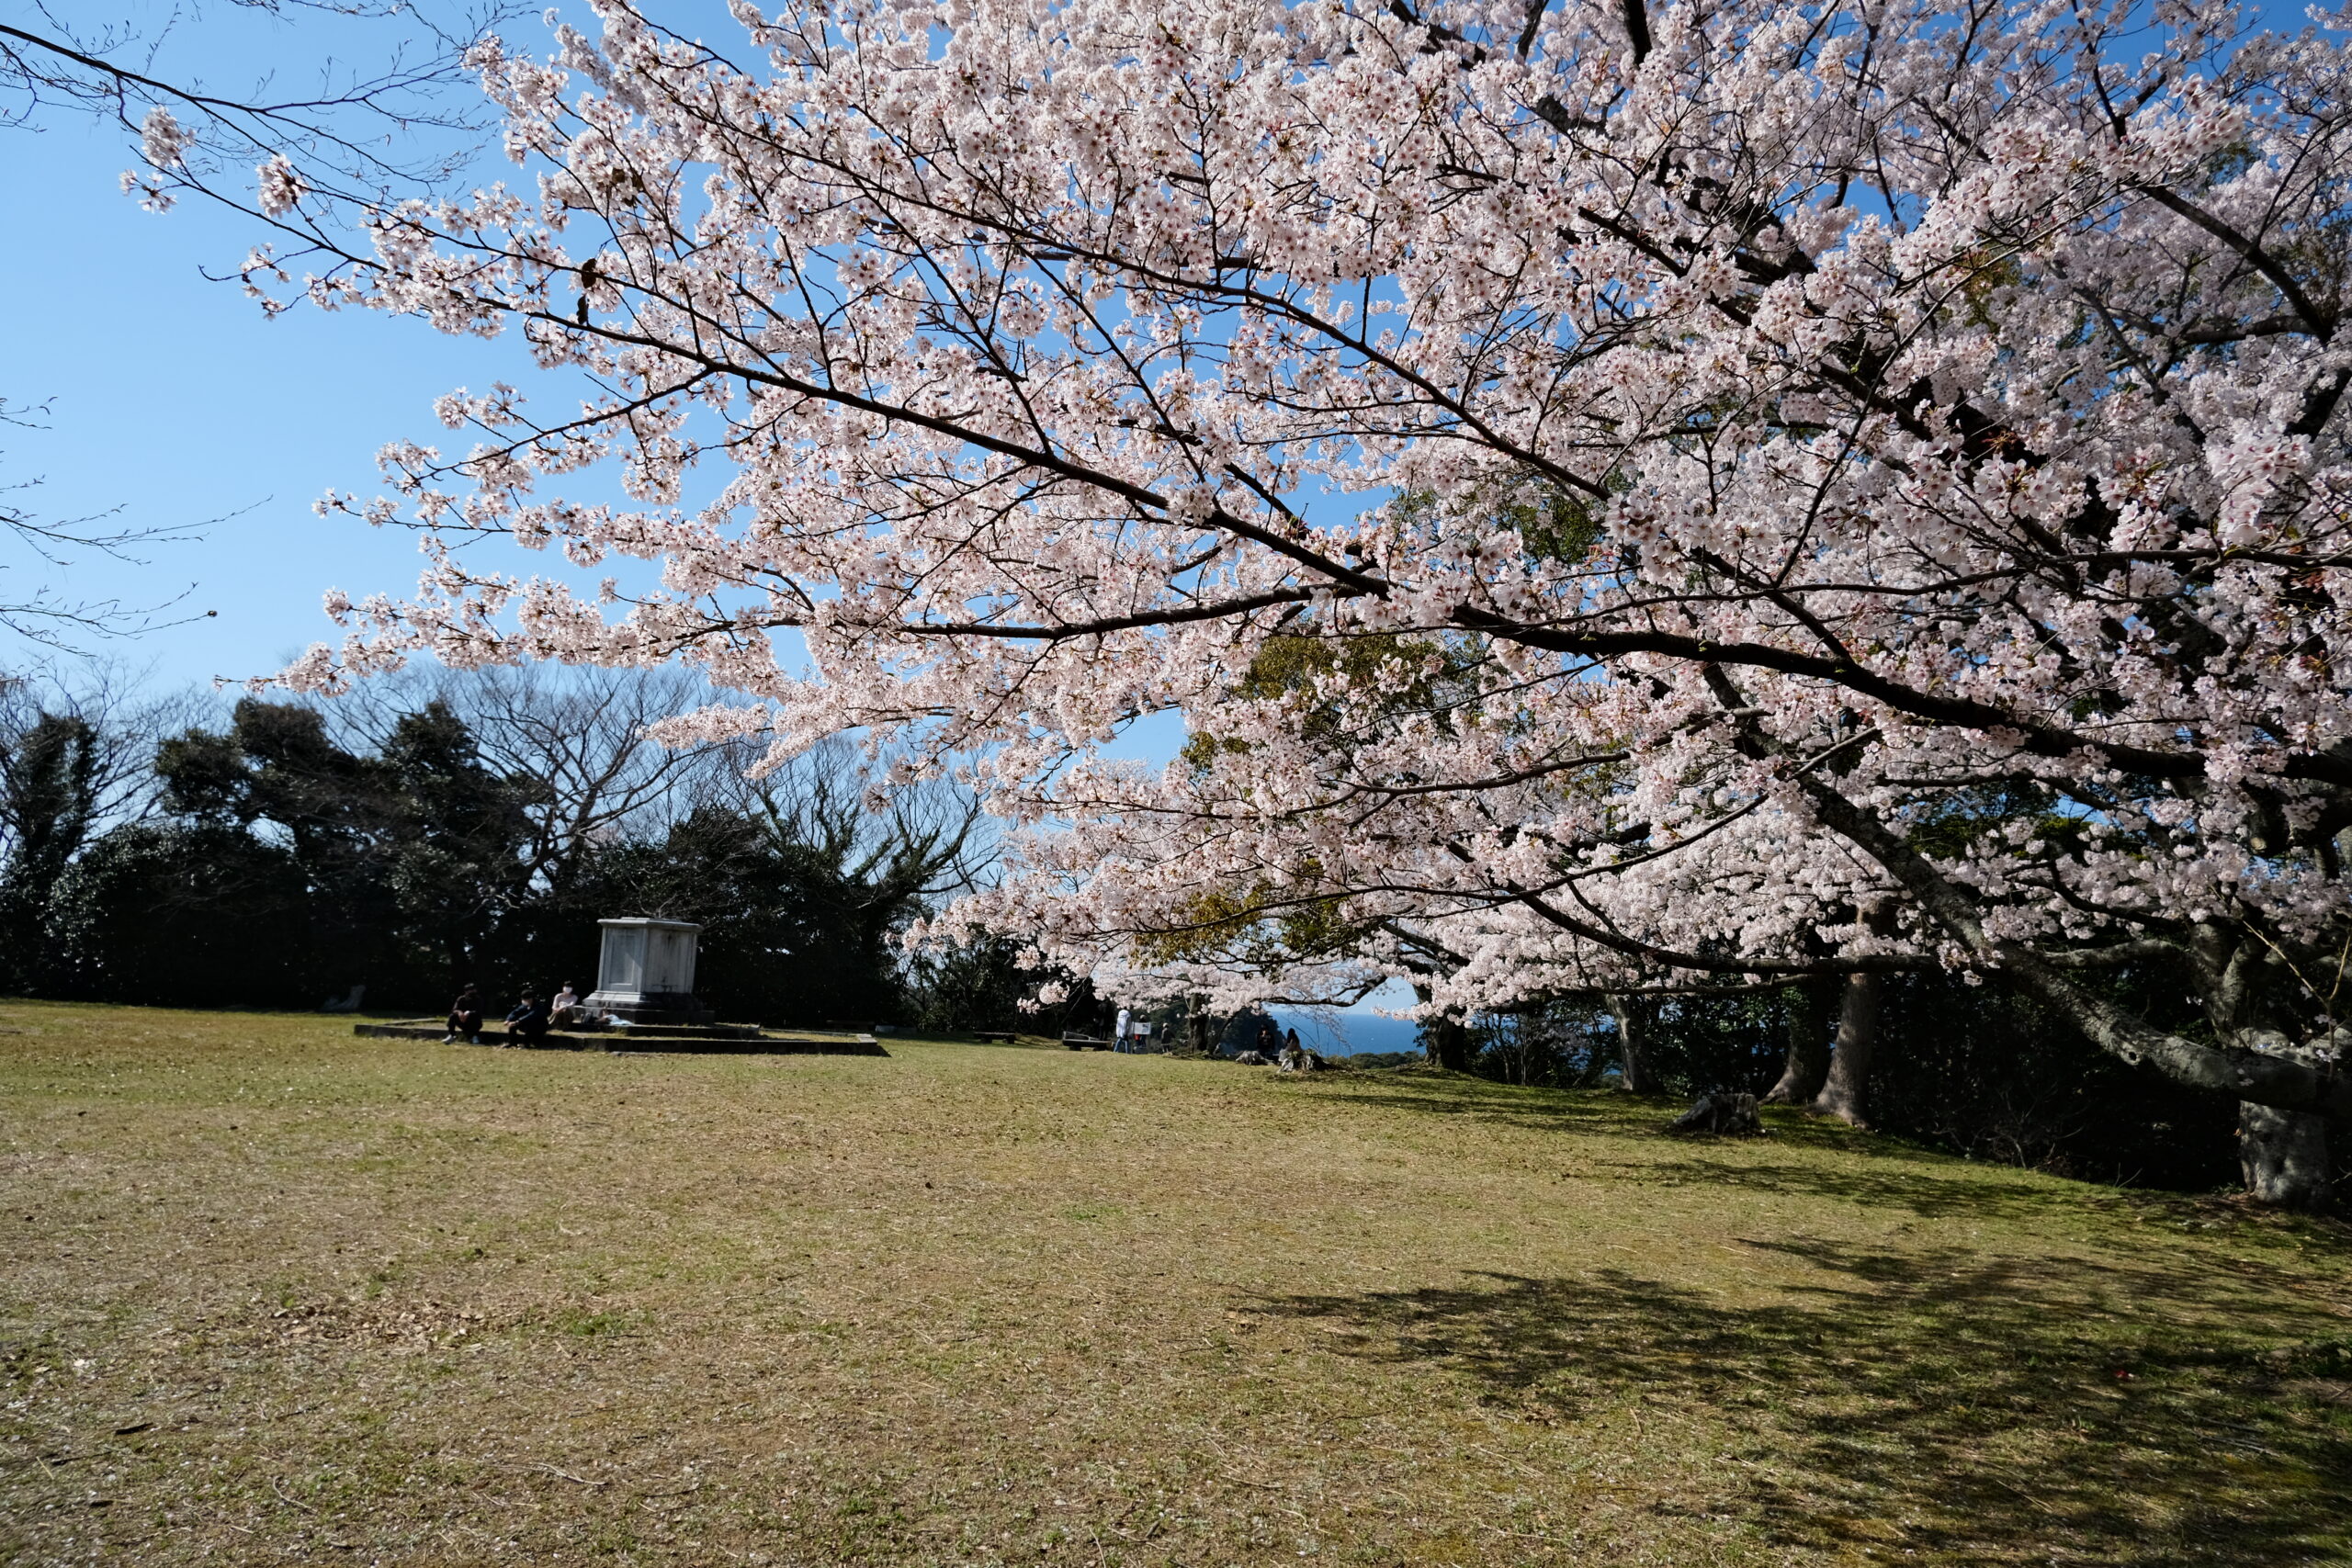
(561, 1011)
(465, 1017)
(529, 1022)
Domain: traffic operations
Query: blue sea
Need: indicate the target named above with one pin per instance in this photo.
(1348, 1032)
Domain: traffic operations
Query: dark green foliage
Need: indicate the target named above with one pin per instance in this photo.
(304, 852)
(192, 914)
(408, 857)
(1978, 1068)
(792, 934)
(1988, 1072)
(47, 799)
(1555, 1048)
(1703, 1043)
(978, 984)
(453, 861)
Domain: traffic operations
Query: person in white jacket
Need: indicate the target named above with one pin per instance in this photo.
(1119, 1035)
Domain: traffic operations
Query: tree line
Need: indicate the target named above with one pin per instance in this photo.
(427, 832)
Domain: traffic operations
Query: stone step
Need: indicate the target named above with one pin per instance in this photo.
(742, 1039)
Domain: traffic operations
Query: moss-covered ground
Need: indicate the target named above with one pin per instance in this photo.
(271, 1294)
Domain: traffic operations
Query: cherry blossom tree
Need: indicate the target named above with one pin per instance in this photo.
(1624, 497)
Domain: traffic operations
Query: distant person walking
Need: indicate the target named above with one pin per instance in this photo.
(1119, 1033)
(465, 1017)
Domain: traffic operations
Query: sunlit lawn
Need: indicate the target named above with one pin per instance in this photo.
(271, 1293)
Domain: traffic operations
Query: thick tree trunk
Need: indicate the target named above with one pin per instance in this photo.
(1445, 1041)
(2284, 1155)
(1806, 1067)
(1842, 1095)
(1449, 1044)
(1634, 1016)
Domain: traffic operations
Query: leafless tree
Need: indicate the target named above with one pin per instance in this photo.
(370, 101)
(47, 618)
(579, 734)
(929, 836)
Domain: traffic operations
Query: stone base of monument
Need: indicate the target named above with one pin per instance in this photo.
(737, 1038)
(657, 1009)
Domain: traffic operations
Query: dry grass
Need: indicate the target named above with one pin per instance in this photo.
(272, 1293)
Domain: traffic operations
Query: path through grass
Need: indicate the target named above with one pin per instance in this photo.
(271, 1293)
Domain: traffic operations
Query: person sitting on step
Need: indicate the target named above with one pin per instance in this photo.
(527, 1024)
(561, 1010)
(465, 1017)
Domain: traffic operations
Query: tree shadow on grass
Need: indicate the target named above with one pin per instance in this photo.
(1963, 1407)
(1928, 1185)
(1482, 1099)
(1895, 1175)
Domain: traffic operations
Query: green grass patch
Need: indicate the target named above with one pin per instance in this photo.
(269, 1292)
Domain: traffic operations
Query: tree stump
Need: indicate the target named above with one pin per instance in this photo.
(1725, 1115)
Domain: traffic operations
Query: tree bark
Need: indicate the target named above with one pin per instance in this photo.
(1449, 1044)
(1806, 1067)
(1634, 1016)
(1846, 1087)
(1197, 1036)
(1843, 1094)
(2284, 1156)
(1445, 1041)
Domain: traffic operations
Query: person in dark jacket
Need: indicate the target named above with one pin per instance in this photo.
(527, 1024)
(465, 1017)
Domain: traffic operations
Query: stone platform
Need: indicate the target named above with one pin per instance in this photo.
(705, 1039)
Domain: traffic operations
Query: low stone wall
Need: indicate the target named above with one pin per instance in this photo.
(739, 1039)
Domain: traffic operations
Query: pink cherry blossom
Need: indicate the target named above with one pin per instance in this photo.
(1617, 493)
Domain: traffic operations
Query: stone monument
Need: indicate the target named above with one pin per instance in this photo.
(646, 973)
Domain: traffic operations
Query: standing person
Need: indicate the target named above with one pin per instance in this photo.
(465, 1017)
(1119, 1035)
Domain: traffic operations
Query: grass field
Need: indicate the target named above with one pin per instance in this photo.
(271, 1293)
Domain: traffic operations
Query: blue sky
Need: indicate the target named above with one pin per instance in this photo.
(170, 396)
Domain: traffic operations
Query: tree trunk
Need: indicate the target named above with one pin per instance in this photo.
(1633, 1019)
(1849, 1065)
(1444, 1040)
(2284, 1155)
(1806, 1068)
(1197, 1038)
(1449, 1044)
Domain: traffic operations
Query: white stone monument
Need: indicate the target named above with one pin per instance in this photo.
(646, 973)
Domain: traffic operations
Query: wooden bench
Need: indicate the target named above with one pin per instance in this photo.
(1001, 1036)
(1084, 1042)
